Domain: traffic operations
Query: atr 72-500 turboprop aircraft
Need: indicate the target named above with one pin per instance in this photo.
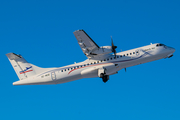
(100, 63)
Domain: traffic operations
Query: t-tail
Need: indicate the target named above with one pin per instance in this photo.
(22, 68)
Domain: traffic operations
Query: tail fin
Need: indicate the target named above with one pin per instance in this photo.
(22, 68)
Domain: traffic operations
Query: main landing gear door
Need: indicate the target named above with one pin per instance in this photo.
(100, 72)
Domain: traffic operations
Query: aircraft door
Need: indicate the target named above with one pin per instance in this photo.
(137, 52)
(53, 76)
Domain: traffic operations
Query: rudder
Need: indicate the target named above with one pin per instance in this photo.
(22, 68)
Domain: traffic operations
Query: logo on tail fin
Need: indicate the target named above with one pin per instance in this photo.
(26, 70)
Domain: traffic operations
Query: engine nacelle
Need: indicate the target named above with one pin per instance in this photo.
(103, 50)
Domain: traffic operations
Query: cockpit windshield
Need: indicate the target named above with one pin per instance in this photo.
(160, 44)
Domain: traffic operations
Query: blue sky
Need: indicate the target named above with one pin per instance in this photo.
(42, 32)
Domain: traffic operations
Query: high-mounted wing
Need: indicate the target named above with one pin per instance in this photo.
(86, 43)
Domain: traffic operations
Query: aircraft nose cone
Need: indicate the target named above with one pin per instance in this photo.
(173, 50)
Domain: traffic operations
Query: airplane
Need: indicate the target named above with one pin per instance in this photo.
(102, 62)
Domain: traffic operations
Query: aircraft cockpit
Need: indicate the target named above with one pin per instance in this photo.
(159, 44)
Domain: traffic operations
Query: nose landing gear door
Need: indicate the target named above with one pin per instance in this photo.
(53, 76)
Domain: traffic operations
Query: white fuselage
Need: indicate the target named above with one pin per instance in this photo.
(89, 68)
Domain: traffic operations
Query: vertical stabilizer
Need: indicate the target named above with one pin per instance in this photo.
(22, 68)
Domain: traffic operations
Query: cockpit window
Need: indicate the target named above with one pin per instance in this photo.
(160, 45)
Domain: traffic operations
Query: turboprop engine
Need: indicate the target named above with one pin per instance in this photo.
(102, 50)
(105, 49)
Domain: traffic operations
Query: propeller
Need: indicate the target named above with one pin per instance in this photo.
(113, 47)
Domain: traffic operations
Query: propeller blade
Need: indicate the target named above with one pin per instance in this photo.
(112, 41)
(113, 47)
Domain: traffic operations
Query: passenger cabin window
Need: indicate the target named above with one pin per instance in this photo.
(117, 56)
(130, 53)
(133, 52)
